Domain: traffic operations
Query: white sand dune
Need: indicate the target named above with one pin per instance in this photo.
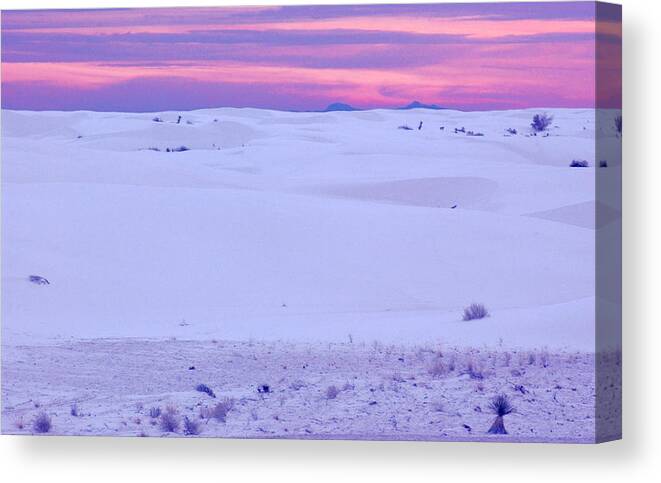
(299, 226)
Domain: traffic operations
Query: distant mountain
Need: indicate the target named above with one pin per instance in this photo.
(420, 105)
(339, 106)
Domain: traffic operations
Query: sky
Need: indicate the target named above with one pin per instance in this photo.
(463, 56)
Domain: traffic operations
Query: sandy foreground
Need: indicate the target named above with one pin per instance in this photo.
(109, 387)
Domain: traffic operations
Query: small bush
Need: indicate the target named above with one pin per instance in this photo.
(579, 163)
(511, 131)
(191, 428)
(74, 410)
(474, 370)
(475, 311)
(205, 389)
(332, 392)
(219, 411)
(603, 163)
(169, 422)
(180, 149)
(264, 389)
(157, 119)
(42, 423)
(500, 405)
(405, 127)
(618, 124)
(541, 122)
(297, 385)
(437, 368)
(154, 412)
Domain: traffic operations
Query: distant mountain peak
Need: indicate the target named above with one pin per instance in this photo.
(339, 106)
(420, 105)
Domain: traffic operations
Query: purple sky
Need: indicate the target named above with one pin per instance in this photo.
(467, 56)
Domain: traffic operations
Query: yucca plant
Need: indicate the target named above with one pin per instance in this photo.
(500, 405)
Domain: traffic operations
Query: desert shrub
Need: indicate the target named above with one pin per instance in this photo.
(191, 428)
(603, 163)
(475, 311)
(154, 412)
(618, 124)
(398, 378)
(458, 130)
(42, 423)
(219, 411)
(332, 392)
(437, 368)
(405, 127)
(348, 386)
(205, 389)
(474, 370)
(511, 130)
(578, 163)
(180, 149)
(541, 122)
(264, 389)
(474, 133)
(169, 421)
(500, 405)
(297, 385)
(157, 119)
(74, 410)
(452, 363)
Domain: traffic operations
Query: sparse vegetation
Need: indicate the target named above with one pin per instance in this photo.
(191, 428)
(332, 392)
(297, 385)
(618, 123)
(42, 423)
(405, 127)
(220, 411)
(501, 407)
(512, 131)
(177, 149)
(437, 368)
(541, 122)
(205, 389)
(74, 410)
(475, 311)
(474, 370)
(603, 163)
(157, 119)
(169, 421)
(154, 412)
(578, 163)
